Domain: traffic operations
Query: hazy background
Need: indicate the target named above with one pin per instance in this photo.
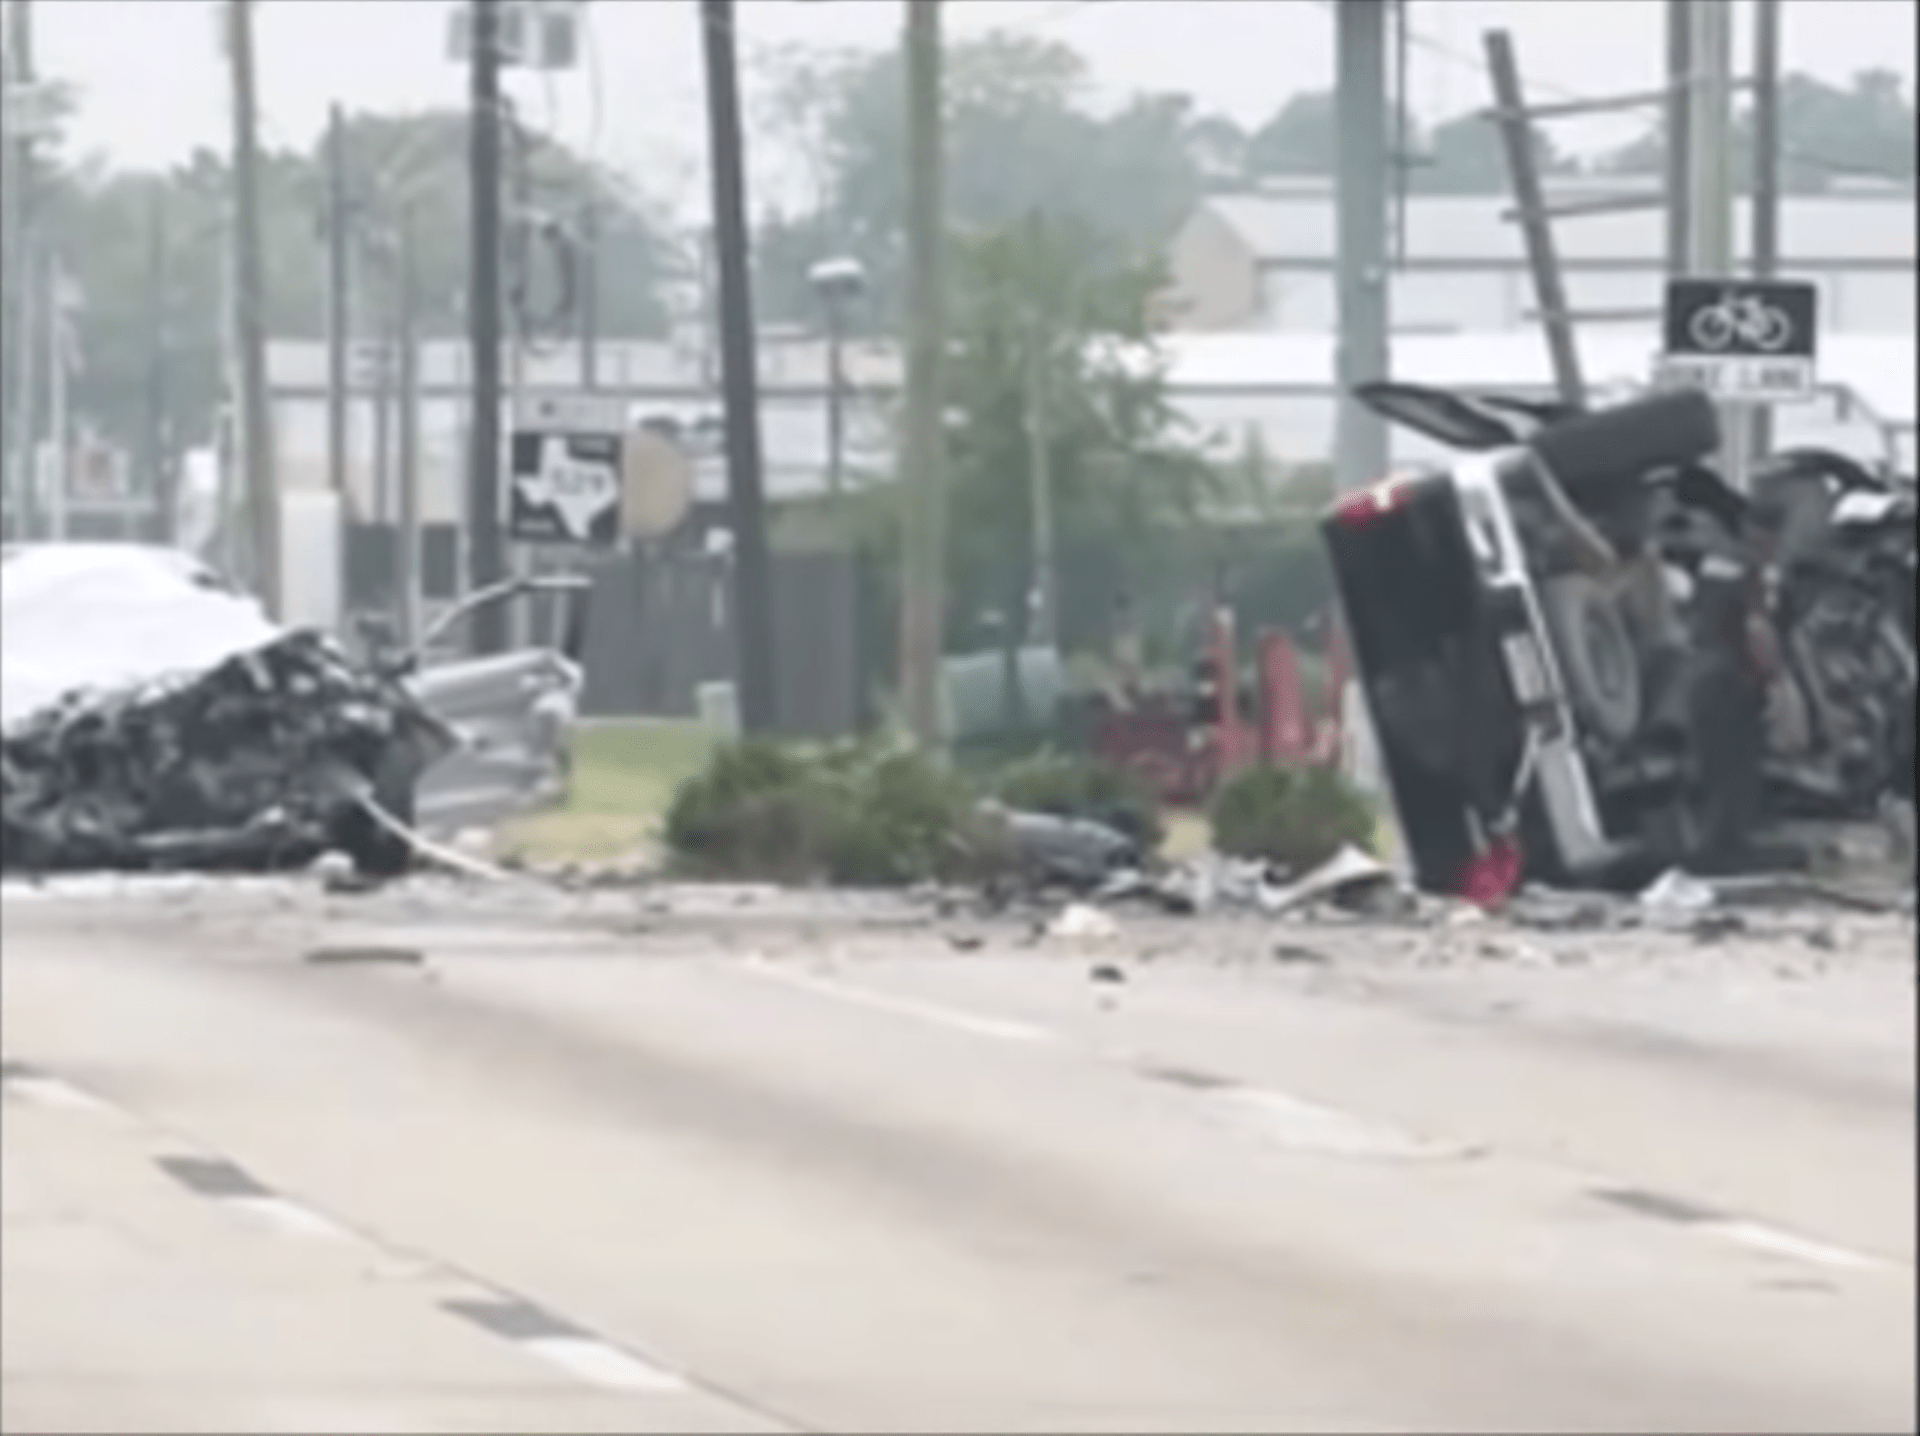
(152, 87)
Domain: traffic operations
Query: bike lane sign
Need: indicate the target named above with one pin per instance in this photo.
(1742, 341)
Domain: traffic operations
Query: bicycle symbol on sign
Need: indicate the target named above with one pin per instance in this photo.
(1747, 319)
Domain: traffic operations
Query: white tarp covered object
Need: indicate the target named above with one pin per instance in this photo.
(104, 616)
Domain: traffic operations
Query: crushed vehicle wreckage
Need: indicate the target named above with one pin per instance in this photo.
(156, 720)
(1589, 658)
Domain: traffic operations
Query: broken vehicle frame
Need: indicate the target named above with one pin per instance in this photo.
(1558, 637)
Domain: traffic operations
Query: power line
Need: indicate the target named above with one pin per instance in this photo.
(1442, 50)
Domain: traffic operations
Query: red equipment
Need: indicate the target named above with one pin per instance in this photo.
(1182, 749)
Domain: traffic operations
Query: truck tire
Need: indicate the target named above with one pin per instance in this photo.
(1600, 453)
(1598, 659)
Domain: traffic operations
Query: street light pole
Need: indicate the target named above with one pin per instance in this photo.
(923, 606)
(486, 550)
(753, 605)
(256, 415)
(19, 249)
(838, 282)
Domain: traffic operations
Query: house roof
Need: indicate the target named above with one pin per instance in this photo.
(1872, 226)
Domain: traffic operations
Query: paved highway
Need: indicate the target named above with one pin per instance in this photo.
(549, 1183)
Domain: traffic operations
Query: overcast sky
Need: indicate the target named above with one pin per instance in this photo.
(152, 87)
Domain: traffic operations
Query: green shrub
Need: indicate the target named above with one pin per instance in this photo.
(846, 815)
(1296, 818)
(1069, 787)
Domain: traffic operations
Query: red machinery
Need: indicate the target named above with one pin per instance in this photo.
(1183, 745)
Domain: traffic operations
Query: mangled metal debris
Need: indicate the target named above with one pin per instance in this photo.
(264, 762)
(156, 718)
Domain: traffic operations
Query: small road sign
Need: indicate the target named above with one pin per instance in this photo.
(1742, 341)
(567, 470)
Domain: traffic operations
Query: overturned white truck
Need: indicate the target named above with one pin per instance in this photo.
(1588, 657)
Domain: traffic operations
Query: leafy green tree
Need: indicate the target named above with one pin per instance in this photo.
(416, 163)
(1020, 141)
(1125, 474)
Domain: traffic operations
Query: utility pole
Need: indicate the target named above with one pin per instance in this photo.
(59, 424)
(519, 237)
(407, 337)
(753, 590)
(1712, 181)
(1535, 217)
(923, 607)
(1766, 177)
(19, 253)
(256, 420)
(486, 551)
(589, 295)
(1040, 463)
(156, 459)
(382, 352)
(1044, 622)
(1363, 161)
(339, 225)
(1679, 152)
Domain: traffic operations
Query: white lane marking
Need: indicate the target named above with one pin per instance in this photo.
(1309, 1127)
(55, 1092)
(998, 1029)
(286, 1216)
(602, 1364)
(1776, 1242)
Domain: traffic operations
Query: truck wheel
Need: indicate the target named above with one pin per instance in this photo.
(1597, 656)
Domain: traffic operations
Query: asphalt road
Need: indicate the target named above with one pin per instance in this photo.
(546, 1183)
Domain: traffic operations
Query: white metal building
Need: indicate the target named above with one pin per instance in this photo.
(1266, 261)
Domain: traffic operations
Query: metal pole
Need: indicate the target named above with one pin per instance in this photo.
(590, 293)
(407, 325)
(753, 596)
(923, 607)
(486, 554)
(1363, 159)
(339, 311)
(256, 419)
(1679, 137)
(59, 451)
(520, 559)
(1766, 176)
(836, 398)
(155, 458)
(382, 351)
(1712, 254)
(1536, 224)
(1040, 465)
(19, 253)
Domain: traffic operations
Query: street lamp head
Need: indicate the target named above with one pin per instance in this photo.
(838, 279)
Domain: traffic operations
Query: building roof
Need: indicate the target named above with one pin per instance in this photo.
(1871, 226)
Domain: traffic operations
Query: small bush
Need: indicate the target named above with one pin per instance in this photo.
(1068, 787)
(849, 816)
(1295, 818)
